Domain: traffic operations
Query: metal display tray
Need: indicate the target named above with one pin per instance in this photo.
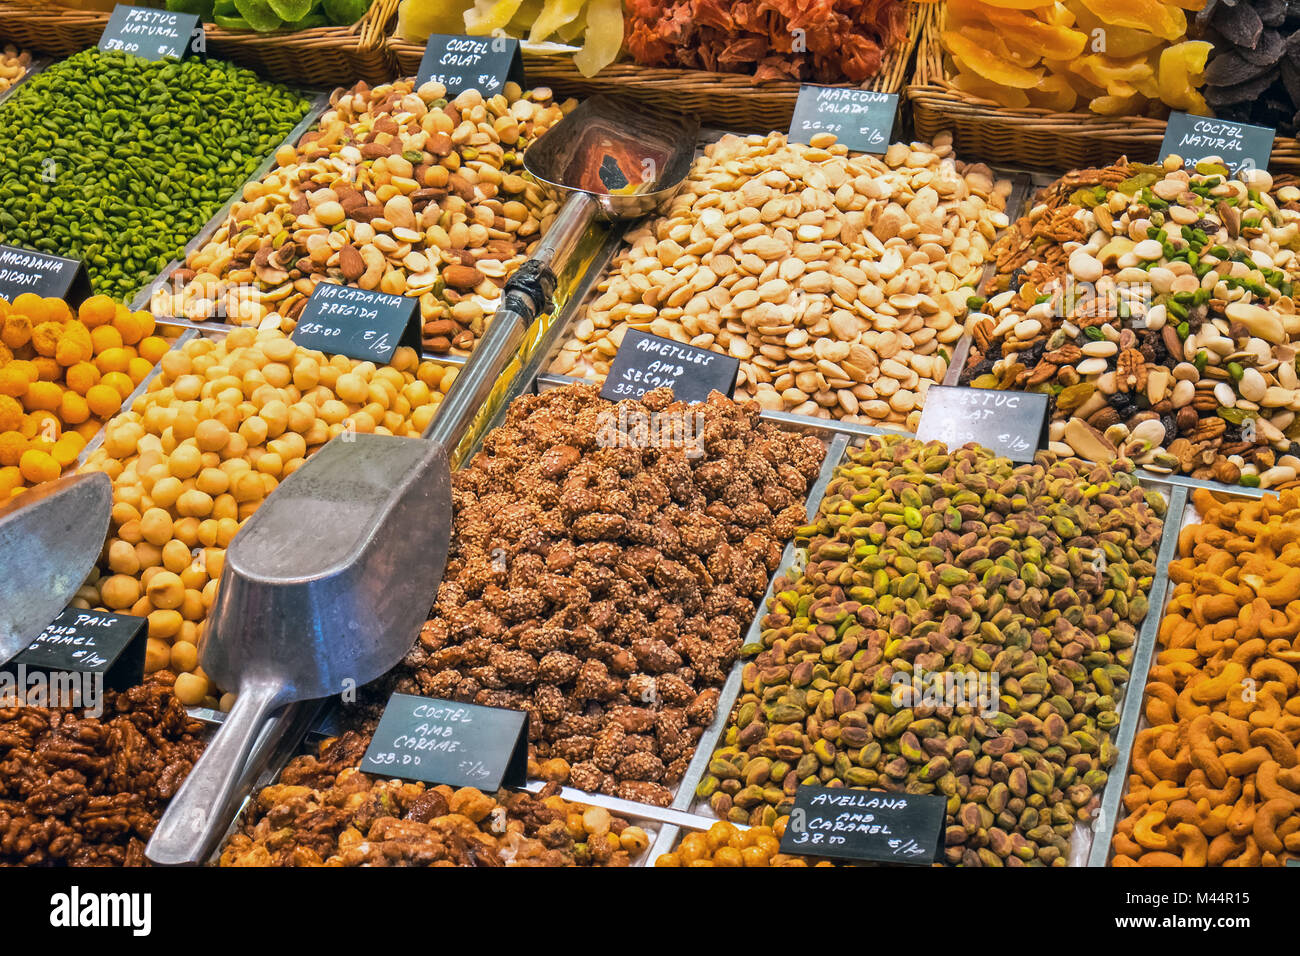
(1082, 842)
(1117, 788)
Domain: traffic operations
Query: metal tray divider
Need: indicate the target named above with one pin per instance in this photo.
(791, 557)
(1107, 815)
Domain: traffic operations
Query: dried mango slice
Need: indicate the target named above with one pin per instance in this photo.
(1159, 18)
(1055, 93)
(1017, 4)
(1022, 31)
(555, 14)
(1116, 105)
(983, 60)
(992, 43)
(573, 31)
(1180, 71)
(415, 21)
(1109, 72)
(604, 36)
(968, 11)
(1059, 14)
(1005, 96)
(1113, 40)
(488, 15)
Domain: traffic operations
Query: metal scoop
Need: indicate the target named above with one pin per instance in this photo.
(50, 536)
(326, 585)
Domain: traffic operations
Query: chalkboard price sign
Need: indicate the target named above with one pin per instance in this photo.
(1239, 145)
(443, 741)
(151, 34)
(89, 642)
(462, 63)
(862, 120)
(359, 323)
(23, 270)
(866, 825)
(645, 362)
(1013, 424)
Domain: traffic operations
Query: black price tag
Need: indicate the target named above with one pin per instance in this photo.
(88, 642)
(862, 120)
(645, 362)
(1239, 145)
(866, 825)
(464, 63)
(152, 34)
(23, 270)
(1013, 424)
(359, 323)
(442, 741)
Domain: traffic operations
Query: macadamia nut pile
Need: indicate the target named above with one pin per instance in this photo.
(219, 428)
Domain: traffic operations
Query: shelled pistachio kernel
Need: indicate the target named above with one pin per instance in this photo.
(1024, 586)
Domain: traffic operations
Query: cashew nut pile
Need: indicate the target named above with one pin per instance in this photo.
(838, 281)
(1215, 779)
(13, 64)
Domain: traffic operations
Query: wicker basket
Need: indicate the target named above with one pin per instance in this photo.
(1032, 137)
(728, 100)
(327, 56)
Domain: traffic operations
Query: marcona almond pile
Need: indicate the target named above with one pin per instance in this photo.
(840, 282)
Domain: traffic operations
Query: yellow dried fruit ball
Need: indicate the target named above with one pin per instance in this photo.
(38, 466)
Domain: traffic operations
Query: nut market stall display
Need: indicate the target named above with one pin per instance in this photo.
(1213, 779)
(618, 593)
(114, 160)
(365, 583)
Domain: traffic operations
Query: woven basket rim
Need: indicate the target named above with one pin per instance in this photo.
(932, 82)
(369, 27)
(891, 78)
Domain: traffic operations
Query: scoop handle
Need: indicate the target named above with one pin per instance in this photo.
(527, 295)
(202, 809)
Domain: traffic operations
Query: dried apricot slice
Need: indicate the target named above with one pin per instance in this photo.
(1108, 72)
(981, 59)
